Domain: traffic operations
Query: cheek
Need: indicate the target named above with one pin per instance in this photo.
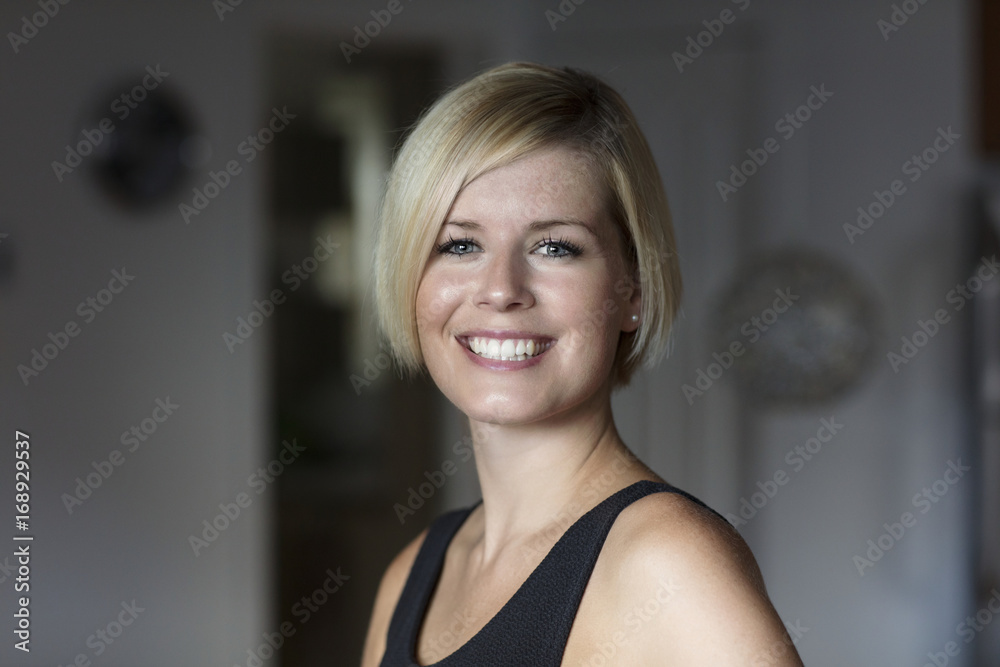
(436, 298)
(595, 312)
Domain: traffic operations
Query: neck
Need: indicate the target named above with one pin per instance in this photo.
(537, 479)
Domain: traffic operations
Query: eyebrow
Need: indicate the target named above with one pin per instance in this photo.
(536, 226)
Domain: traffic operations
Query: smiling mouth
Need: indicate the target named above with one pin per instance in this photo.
(507, 349)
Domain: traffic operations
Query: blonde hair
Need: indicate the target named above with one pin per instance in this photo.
(490, 121)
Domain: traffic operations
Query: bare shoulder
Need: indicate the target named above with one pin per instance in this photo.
(669, 553)
(669, 530)
(389, 590)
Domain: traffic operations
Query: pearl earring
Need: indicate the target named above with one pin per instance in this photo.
(635, 318)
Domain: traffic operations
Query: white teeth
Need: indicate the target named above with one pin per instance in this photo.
(508, 349)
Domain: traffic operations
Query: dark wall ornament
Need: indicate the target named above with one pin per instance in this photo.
(148, 155)
(808, 329)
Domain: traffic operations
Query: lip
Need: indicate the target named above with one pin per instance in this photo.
(496, 364)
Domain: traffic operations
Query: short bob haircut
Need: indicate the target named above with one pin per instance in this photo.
(490, 121)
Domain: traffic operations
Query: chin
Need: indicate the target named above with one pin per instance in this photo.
(502, 410)
(498, 410)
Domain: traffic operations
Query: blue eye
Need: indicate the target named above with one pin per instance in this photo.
(555, 249)
(457, 247)
(560, 248)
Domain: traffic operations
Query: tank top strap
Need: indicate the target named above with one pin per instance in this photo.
(534, 625)
(424, 573)
(542, 612)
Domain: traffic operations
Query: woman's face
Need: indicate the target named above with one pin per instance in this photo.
(522, 301)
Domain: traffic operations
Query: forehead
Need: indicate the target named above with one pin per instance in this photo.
(547, 184)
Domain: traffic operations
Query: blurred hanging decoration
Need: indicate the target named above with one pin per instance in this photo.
(800, 328)
(149, 144)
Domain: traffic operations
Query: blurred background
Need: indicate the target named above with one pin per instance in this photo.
(222, 462)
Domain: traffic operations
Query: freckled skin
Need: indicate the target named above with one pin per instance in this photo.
(508, 278)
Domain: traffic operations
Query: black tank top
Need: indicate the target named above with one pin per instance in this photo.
(532, 628)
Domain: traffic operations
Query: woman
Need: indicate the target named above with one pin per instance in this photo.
(526, 260)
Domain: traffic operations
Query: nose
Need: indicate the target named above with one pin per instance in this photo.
(504, 283)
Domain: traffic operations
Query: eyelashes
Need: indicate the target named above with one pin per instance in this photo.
(450, 247)
(465, 246)
(568, 248)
